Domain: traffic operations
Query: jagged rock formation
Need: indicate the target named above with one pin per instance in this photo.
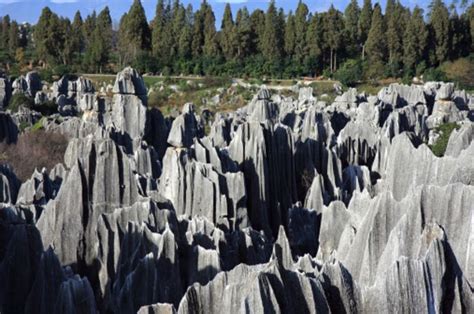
(287, 205)
(29, 84)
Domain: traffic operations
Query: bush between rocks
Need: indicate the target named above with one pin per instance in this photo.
(38, 149)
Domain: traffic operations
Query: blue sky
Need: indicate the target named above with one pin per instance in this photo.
(29, 10)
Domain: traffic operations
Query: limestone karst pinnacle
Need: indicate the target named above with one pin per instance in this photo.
(287, 205)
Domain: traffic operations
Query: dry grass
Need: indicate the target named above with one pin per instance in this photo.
(38, 149)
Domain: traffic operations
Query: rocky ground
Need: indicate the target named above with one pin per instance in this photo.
(288, 204)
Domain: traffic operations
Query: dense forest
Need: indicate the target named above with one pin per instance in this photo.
(180, 40)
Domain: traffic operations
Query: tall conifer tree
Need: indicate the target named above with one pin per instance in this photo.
(365, 22)
(351, 23)
(301, 26)
(272, 35)
(228, 34)
(439, 26)
(376, 44)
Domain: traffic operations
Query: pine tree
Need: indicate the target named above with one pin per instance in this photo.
(210, 48)
(414, 41)
(364, 25)
(77, 33)
(48, 36)
(439, 25)
(185, 36)
(351, 22)
(162, 37)
(395, 18)
(66, 46)
(5, 27)
(124, 47)
(88, 28)
(244, 33)
(334, 27)
(290, 35)
(138, 30)
(272, 35)
(460, 35)
(104, 23)
(98, 52)
(470, 22)
(198, 32)
(177, 24)
(301, 26)
(257, 19)
(314, 40)
(13, 37)
(376, 46)
(390, 9)
(228, 34)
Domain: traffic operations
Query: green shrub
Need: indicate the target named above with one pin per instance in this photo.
(19, 100)
(460, 72)
(445, 130)
(374, 71)
(46, 74)
(434, 74)
(38, 125)
(23, 125)
(46, 109)
(350, 73)
(61, 70)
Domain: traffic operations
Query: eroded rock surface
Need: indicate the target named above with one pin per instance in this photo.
(286, 205)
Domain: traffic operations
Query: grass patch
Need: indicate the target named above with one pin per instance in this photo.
(38, 125)
(369, 88)
(445, 130)
(322, 87)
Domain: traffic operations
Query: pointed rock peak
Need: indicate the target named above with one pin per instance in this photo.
(432, 233)
(306, 264)
(188, 108)
(129, 82)
(264, 93)
(315, 198)
(331, 266)
(281, 250)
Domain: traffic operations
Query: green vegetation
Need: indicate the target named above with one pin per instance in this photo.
(445, 130)
(356, 45)
(461, 72)
(38, 125)
(350, 73)
(23, 125)
(19, 100)
(170, 94)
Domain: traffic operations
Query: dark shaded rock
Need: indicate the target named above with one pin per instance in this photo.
(9, 185)
(185, 128)
(8, 129)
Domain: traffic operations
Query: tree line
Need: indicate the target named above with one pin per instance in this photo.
(180, 40)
